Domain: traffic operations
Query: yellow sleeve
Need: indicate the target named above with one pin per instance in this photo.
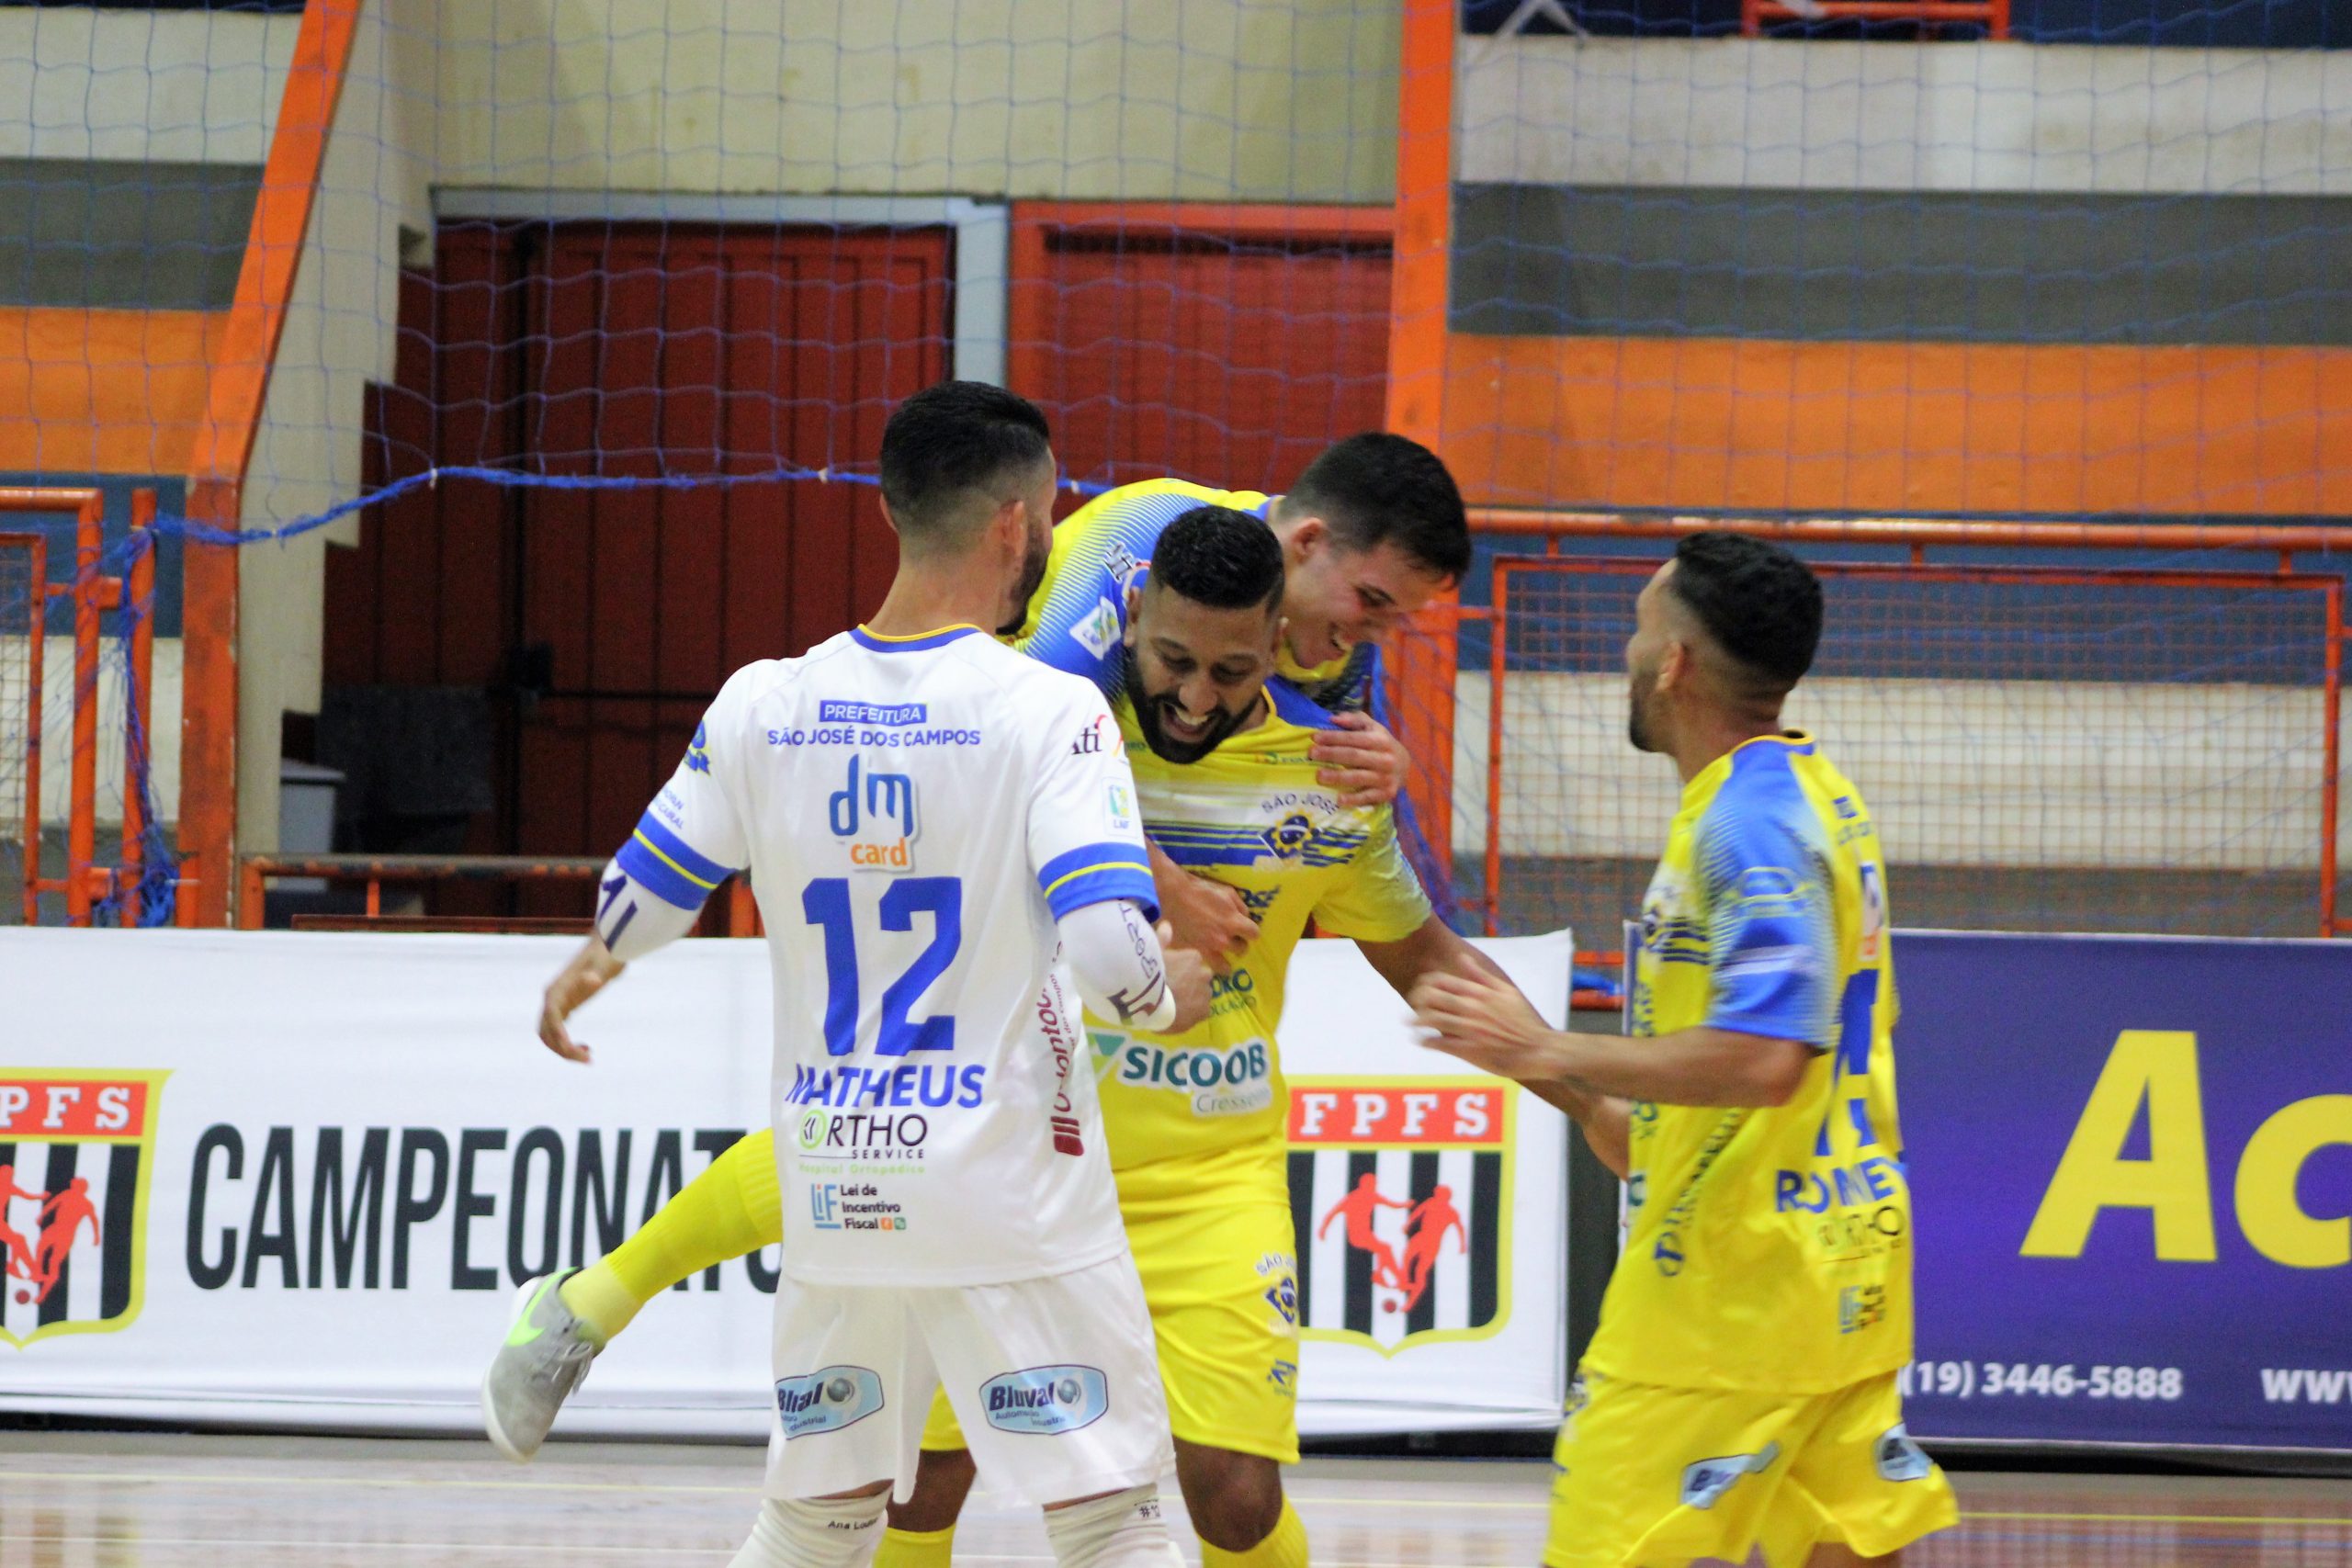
(1377, 899)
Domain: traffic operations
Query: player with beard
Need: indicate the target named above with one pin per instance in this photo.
(1741, 1389)
(1372, 530)
(1196, 1121)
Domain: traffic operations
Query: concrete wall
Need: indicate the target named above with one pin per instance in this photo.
(1280, 100)
(166, 86)
(1823, 116)
(1988, 772)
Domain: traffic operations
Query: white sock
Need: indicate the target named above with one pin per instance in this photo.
(1123, 1530)
(803, 1534)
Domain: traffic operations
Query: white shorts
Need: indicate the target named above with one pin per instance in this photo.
(1056, 1381)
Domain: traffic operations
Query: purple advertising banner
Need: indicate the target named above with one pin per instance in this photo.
(2131, 1165)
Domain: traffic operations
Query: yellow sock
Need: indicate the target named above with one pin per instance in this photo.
(915, 1548)
(732, 1209)
(1284, 1547)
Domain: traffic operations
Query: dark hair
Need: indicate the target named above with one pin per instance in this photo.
(1217, 557)
(950, 441)
(1376, 486)
(1760, 603)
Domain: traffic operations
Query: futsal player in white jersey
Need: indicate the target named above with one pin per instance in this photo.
(942, 835)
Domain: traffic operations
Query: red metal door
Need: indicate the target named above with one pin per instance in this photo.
(637, 351)
(1226, 343)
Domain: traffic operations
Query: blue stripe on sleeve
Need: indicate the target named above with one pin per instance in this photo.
(1111, 851)
(698, 867)
(657, 876)
(1102, 886)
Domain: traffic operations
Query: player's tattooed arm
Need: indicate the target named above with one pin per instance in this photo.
(1127, 970)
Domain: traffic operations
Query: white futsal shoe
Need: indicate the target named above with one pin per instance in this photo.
(545, 1357)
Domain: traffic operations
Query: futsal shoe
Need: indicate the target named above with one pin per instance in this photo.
(545, 1357)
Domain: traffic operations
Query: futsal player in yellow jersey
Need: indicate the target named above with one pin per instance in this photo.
(1197, 1121)
(1228, 774)
(1741, 1388)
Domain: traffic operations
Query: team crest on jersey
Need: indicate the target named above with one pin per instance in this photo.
(76, 1148)
(1288, 838)
(699, 750)
(1400, 1188)
(873, 816)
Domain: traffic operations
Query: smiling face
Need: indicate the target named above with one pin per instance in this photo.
(1196, 673)
(1337, 596)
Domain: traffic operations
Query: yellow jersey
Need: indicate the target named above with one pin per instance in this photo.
(1077, 620)
(1250, 815)
(1769, 1248)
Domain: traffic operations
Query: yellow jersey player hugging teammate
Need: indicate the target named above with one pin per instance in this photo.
(1372, 530)
(1741, 1389)
(1195, 1122)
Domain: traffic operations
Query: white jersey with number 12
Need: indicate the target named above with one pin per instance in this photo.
(916, 814)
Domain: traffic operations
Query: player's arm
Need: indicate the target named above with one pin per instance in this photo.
(1772, 961)
(1086, 848)
(1434, 950)
(689, 840)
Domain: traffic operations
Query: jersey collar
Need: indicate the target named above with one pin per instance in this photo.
(882, 642)
(1746, 754)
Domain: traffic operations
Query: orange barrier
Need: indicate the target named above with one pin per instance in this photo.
(738, 916)
(85, 881)
(35, 548)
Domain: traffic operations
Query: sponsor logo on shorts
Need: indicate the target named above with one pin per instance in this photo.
(1045, 1402)
(1705, 1483)
(1900, 1459)
(1283, 1375)
(827, 1399)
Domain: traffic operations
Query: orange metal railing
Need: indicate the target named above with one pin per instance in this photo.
(85, 881)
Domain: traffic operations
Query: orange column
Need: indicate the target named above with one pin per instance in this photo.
(224, 445)
(1423, 661)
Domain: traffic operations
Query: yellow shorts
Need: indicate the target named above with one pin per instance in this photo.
(1215, 1245)
(1653, 1477)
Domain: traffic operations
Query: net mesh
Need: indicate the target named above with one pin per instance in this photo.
(2119, 753)
(19, 625)
(592, 312)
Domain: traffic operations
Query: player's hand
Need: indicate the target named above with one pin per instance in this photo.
(1188, 981)
(1486, 1022)
(1207, 917)
(1362, 759)
(591, 970)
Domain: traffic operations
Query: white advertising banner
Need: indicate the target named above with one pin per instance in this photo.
(294, 1179)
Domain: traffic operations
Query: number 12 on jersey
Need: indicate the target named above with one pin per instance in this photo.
(826, 904)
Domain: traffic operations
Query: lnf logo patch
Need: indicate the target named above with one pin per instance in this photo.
(827, 1399)
(1704, 1483)
(76, 1148)
(1045, 1402)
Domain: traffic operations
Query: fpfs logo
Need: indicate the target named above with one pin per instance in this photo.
(875, 816)
(75, 1151)
(1403, 1192)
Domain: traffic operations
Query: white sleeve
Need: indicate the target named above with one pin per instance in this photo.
(689, 840)
(1115, 956)
(1085, 833)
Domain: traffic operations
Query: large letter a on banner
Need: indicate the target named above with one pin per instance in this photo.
(2159, 1067)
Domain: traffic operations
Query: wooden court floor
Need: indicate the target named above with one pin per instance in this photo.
(129, 1500)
